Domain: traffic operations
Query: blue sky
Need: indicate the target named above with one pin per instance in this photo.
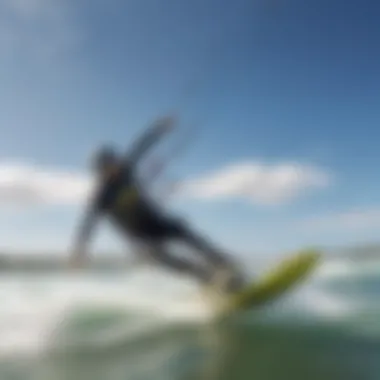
(266, 81)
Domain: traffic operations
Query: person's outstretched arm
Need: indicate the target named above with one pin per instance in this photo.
(148, 139)
(84, 232)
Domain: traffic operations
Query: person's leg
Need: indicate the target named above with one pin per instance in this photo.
(157, 251)
(209, 252)
(221, 262)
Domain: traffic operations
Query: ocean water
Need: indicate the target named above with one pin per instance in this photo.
(148, 325)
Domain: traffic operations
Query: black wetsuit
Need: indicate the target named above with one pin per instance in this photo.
(130, 210)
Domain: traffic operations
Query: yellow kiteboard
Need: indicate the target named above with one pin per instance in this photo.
(272, 284)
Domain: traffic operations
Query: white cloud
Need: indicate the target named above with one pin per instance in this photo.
(23, 183)
(30, 185)
(38, 28)
(259, 183)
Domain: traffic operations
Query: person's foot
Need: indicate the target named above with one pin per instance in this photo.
(227, 280)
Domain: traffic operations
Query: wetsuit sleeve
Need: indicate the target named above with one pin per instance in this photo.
(86, 227)
(149, 138)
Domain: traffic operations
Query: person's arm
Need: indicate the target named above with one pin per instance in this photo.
(84, 232)
(154, 170)
(157, 166)
(148, 139)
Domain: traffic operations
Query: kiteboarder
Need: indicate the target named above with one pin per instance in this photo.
(121, 198)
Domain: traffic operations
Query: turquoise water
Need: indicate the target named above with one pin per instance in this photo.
(146, 328)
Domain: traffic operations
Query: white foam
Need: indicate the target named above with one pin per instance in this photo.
(344, 267)
(31, 308)
(322, 304)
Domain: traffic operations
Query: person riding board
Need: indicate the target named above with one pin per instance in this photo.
(121, 198)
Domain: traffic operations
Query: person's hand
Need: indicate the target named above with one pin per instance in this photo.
(76, 262)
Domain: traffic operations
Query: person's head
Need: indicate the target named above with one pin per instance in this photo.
(105, 160)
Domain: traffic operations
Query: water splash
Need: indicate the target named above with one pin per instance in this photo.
(32, 309)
